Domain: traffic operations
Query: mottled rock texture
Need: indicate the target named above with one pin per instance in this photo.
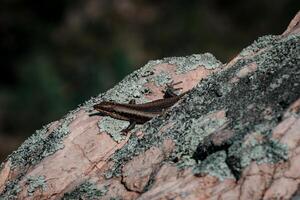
(235, 135)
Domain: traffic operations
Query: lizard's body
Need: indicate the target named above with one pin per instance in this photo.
(138, 113)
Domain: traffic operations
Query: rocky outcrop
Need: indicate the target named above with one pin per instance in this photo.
(235, 135)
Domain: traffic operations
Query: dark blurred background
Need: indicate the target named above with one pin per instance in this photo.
(56, 54)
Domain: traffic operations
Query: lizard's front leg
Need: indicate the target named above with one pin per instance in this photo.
(132, 123)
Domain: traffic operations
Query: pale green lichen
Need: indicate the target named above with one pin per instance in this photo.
(116, 198)
(114, 127)
(86, 190)
(193, 132)
(34, 149)
(214, 165)
(188, 63)
(185, 161)
(162, 79)
(35, 183)
(40, 145)
(277, 82)
(259, 44)
(269, 151)
(11, 190)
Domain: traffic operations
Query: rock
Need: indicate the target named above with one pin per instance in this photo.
(236, 134)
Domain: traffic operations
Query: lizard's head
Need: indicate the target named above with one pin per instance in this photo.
(104, 106)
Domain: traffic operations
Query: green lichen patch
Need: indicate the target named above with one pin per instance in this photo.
(11, 190)
(192, 133)
(35, 183)
(40, 145)
(86, 190)
(114, 127)
(161, 79)
(32, 151)
(116, 198)
(188, 63)
(132, 148)
(214, 165)
(268, 151)
(260, 43)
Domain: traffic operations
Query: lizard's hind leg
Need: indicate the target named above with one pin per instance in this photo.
(169, 90)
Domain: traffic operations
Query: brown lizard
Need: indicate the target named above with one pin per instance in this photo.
(139, 113)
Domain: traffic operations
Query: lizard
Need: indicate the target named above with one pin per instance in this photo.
(139, 113)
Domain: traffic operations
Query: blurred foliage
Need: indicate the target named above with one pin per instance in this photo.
(56, 54)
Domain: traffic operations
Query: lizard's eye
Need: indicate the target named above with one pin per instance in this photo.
(95, 106)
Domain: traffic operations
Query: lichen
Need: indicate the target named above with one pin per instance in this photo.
(86, 190)
(269, 151)
(40, 145)
(161, 79)
(277, 82)
(35, 183)
(114, 127)
(188, 63)
(192, 133)
(11, 190)
(116, 198)
(131, 149)
(259, 44)
(214, 165)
